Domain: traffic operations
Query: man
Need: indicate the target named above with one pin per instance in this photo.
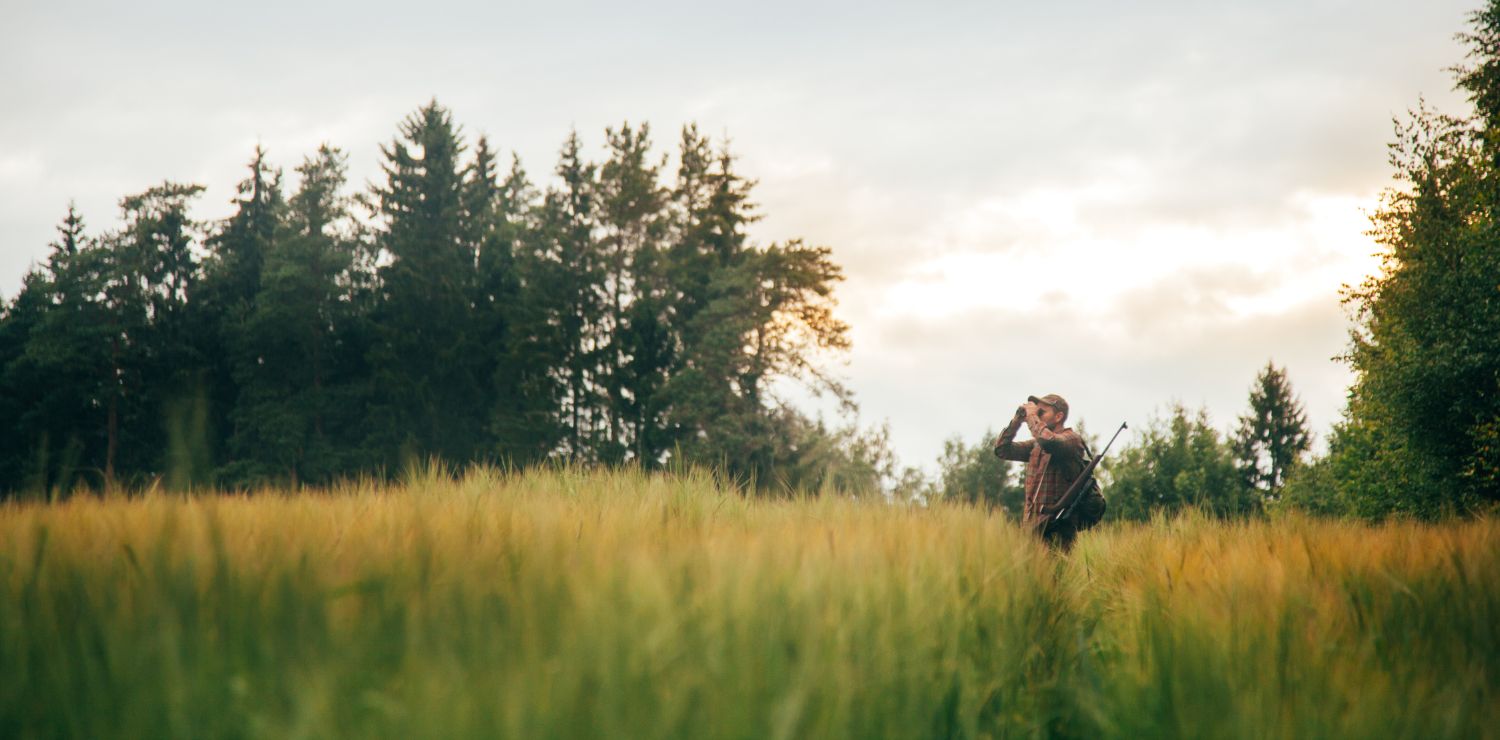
(1054, 457)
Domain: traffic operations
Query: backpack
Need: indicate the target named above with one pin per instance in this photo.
(1091, 504)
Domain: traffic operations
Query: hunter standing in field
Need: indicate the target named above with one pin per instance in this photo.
(1054, 457)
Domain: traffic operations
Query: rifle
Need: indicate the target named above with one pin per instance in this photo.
(1070, 499)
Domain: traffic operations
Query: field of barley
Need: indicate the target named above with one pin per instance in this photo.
(573, 604)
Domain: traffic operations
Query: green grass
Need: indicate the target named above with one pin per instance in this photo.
(567, 604)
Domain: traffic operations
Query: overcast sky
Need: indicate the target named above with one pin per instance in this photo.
(1128, 204)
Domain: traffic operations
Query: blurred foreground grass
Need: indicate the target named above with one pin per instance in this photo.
(568, 604)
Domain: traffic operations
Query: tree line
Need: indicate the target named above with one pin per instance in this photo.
(452, 310)
(1179, 460)
(620, 315)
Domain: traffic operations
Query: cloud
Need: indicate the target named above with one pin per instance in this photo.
(932, 378)
(1189, 175)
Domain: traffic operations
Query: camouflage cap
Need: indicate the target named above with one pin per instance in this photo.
(1053, 400)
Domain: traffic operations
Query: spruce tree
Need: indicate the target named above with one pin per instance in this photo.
(232, 276)
(1424, 412)
(55, 368)
(426, 400)
(292, 419)
(1273, 437)
(745, 317)
(148, 273)
(633, 225)
(566, 273)
(517, 275)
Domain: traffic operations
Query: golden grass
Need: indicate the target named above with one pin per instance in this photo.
(567, 603)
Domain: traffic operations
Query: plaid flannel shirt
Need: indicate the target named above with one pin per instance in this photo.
(1053, 458)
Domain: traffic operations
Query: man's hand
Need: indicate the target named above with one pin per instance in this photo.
(1021, 411)
(1028, 409)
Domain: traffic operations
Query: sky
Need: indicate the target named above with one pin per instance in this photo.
(1131, 204)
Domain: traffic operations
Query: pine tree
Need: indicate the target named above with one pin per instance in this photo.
(232, 278)
(633, 225)
(566, 288)
(293, 414)
(426, 398)
(744, 317)
(1273, 437)
(148, 272)
(239, 250)
(55, 368)
(518, 276)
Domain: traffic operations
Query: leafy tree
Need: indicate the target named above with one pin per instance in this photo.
(767, 317)
(1178, 462)
(811, 457)
(1426, 348)
(1272, 438)
(973, 474)
(744, 318)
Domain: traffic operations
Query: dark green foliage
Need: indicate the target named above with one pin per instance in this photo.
(1175, 463)
(1272, 438)
(155, 356)
(1425, 408)
(611, 318)
(745, 316)
(232, 276)
(564, 279)
(633, 229)
(1368, 474)
(975, 475)
(426, 398)
(57, 366)
(293, 419)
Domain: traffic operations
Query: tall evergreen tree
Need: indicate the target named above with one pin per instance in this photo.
(633, 223)
(516, 278)
(150, 272)
(55, 368)
(1273, 437)
(509, 363)
(232, 279)
(426, 398)
(293, 418)
(239, 250)
(745, 317)
(565, 279)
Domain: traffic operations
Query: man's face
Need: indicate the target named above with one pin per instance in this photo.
(1047, 415)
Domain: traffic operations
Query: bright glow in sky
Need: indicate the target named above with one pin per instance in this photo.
(1127, 204)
